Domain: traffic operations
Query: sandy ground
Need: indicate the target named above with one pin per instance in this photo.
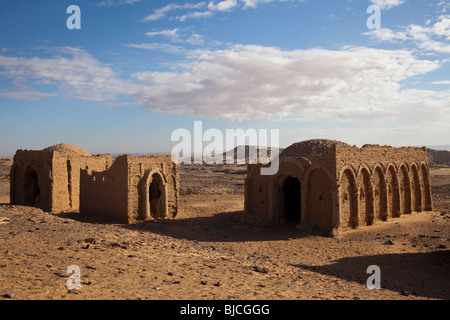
(207, 253)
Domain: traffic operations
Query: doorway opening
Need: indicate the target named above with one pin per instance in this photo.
(32, 190)
(155, 192)
(292, 200)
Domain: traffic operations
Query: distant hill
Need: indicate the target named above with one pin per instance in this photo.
(438, 156)
(241, 154)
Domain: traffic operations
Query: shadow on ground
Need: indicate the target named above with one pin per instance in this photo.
(421, 274)
(221, 227)
(94, 219)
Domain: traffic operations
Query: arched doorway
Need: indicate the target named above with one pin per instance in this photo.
(292, 200)
(379, 196)
(348, 201)
(365, 198)
(155, 193)
(393, 195)
(405, 190)
(319, 200)
(31, 186)
(417, 190)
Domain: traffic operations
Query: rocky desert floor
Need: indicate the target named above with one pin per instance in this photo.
(206, 253)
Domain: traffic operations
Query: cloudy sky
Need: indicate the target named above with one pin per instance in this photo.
(139, 69)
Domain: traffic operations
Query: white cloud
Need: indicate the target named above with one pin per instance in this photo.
(165, 47)
(162, 12)
(247, 83)
(177, 35)
(441, 82)
(207, 10)
(385, 34)
(76, 73)
(225, 5)
(109, 3)
(255, 82)
(387, 4)
(430, 38)
(194, 15)
(172, 33)
(26, 94)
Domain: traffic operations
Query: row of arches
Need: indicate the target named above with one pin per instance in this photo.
(303, 192)
(381, 193)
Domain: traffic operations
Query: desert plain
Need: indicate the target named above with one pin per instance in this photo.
(208, 252)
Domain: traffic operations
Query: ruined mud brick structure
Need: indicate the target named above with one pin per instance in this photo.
(133, 188)
(331, 186)
(65, 178)
(50, 178)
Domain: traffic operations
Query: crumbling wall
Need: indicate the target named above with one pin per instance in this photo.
(105, 193)
(66, 178)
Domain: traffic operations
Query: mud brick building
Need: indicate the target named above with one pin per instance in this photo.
(65, 178)
(331, 186)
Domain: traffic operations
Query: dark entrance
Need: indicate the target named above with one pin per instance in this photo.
(292, 200)
(32, 190)
(155, 196)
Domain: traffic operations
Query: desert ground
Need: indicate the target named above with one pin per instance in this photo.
(208, 253)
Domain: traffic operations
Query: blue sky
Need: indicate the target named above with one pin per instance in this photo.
(139, 69)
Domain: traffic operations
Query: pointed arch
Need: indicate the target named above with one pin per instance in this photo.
(155, 191)
(366, 214)
(393, 194)
(320, 199)
(348, 199)
(404, 188)
(379, 193)
(416, 189)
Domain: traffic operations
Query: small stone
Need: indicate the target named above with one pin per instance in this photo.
(169, 273)
(9, 295)
(73, 291)
(218, 284)
(259, 269)
(204, 282)
(441, 246)
(404, 293)
(389, 242)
